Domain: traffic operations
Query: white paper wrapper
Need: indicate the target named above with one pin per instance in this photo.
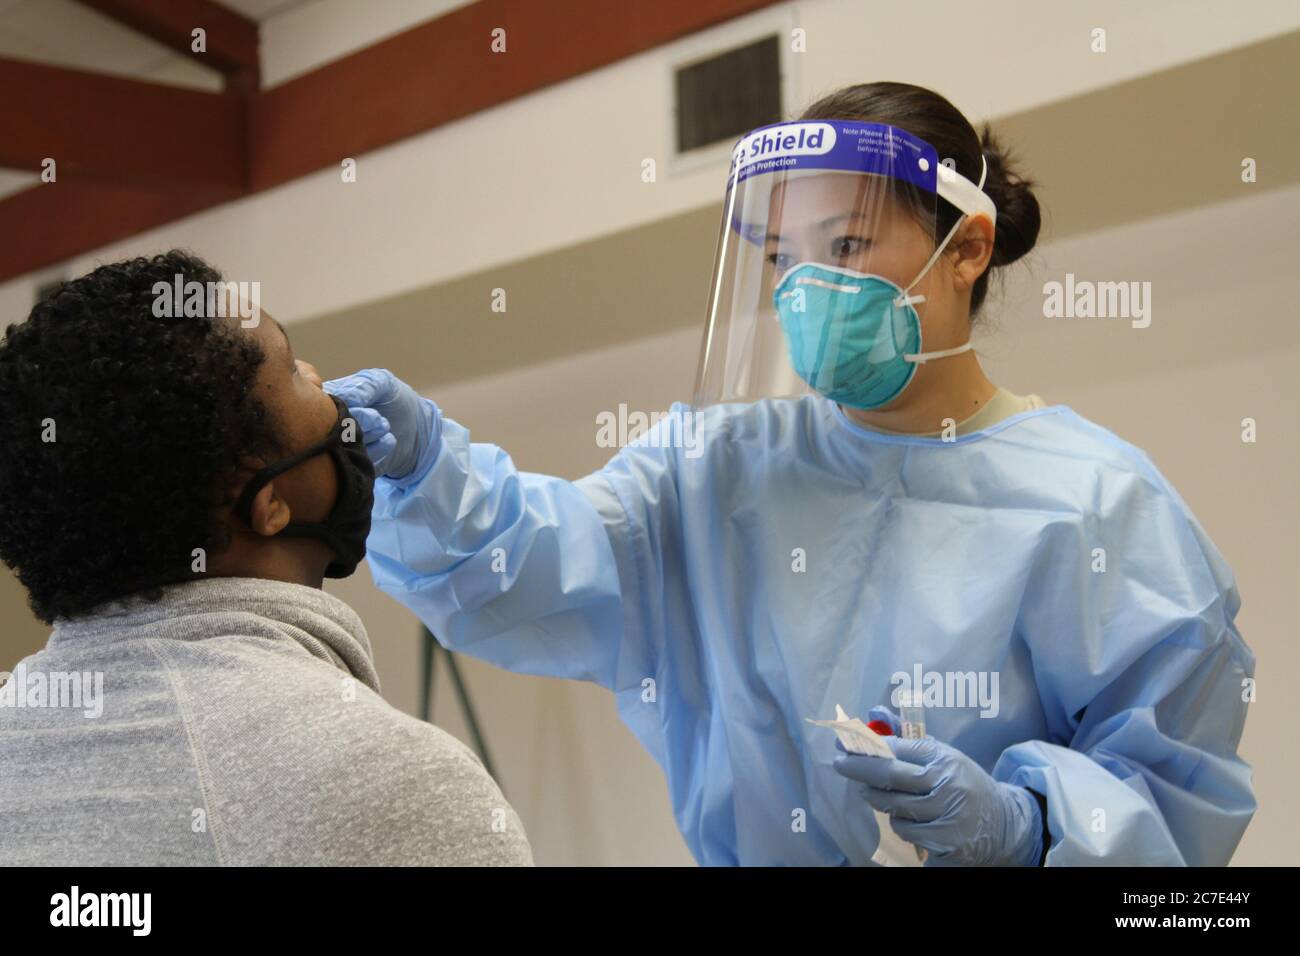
(858, 738)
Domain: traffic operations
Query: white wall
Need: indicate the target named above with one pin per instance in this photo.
(564, 164)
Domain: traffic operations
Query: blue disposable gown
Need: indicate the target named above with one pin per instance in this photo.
(792, 561)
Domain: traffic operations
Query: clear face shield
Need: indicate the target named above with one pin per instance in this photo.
(827, 228)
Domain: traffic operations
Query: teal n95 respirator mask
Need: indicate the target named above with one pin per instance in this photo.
(822, 222)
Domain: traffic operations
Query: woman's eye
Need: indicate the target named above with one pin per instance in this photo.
(846, 246)
(780, 260)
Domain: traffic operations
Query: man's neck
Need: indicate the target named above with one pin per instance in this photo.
(292, 560)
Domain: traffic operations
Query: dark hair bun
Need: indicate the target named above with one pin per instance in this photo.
(1019, 217)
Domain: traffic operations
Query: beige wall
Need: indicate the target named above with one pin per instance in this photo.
(20, 633)
(587, 793)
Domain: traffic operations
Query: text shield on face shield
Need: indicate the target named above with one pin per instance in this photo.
(845, 196)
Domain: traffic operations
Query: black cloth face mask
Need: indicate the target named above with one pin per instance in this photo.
(348, 525)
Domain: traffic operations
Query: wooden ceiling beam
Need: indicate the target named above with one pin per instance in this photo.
(231, 39)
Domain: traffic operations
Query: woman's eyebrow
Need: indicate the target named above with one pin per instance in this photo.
(843, 217)
(827, 222)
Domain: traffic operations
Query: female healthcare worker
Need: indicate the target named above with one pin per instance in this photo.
(811, 534)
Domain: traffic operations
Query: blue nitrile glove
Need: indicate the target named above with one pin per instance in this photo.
(402, 431)
(940, 799)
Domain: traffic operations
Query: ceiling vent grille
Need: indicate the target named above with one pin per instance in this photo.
(727, 95)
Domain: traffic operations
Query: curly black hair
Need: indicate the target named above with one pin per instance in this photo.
(122, 433)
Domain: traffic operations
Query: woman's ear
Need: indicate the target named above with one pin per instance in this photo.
(973, 245)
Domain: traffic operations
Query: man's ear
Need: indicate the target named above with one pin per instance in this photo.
(268, 512)
(973, 245)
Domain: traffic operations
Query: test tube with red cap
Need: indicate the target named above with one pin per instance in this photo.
(911, 715)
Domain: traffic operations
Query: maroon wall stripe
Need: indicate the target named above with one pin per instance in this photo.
(109, 128)
(150, 139)
(54, 222)
(445, 69)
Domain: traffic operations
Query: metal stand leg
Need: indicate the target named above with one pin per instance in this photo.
(429, 651)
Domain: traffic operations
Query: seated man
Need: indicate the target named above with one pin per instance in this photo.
(172, 492)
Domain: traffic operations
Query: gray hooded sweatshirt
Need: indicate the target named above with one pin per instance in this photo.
(235, 722)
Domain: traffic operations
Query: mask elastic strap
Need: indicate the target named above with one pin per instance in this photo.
(920, 358)
(244, 505)
(905, 298)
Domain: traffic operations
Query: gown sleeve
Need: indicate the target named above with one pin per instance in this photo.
(526, 571)
(1144, 679)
